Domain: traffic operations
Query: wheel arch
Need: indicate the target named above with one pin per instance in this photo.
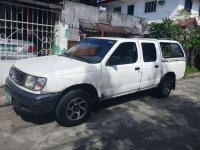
(86, 87)
(172, 75)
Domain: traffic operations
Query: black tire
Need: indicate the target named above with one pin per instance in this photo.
(69, 111)
(164, 88)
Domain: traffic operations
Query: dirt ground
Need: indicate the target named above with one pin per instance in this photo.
(137, 121)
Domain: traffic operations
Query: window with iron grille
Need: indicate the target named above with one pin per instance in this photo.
(130, 10)
(117, 9)
(188, 5)
(150, 6)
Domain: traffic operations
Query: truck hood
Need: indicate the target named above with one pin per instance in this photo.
(43, 66)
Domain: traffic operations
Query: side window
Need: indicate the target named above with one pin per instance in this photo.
(126, 53)
(171, 50)
(149, 52)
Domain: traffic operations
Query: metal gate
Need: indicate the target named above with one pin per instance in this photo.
(25, 31)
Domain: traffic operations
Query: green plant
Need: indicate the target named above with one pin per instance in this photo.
(183, 14)
(192, 46)
(191, 70)
(191, 43)
(190, 39)
(166, 29)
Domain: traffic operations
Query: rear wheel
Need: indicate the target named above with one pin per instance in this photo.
(74, 108)
(164, 88)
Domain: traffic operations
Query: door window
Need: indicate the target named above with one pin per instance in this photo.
(126, 53)
(149, 52)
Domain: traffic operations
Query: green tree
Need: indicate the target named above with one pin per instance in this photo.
(171, 29)
(166, 29)
(192, 46)
(192, 42)
(183, 14)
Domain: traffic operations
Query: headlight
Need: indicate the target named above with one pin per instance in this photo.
(30, 82)
(35, 83)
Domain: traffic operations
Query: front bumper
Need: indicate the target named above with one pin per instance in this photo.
(31, 103)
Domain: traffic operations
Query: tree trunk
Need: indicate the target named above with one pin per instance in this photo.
(192, 60)
(187, 55)
(197, 61)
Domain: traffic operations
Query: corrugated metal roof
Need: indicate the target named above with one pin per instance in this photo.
(109, 28)
(117, 29)
(96, 27)
(88, 25)
(188, 22)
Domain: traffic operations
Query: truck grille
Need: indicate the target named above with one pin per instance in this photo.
(17, 75)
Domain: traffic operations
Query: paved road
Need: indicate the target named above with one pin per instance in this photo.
(137, 121)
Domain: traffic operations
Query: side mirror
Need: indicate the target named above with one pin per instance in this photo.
(114, 60)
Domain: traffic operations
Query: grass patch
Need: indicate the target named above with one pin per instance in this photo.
(191, 70)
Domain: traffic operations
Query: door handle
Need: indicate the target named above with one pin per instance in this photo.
(137, 68)
(156, 66)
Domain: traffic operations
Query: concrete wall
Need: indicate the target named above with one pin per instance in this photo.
(169, 9)
(117, 19)
(75, 11)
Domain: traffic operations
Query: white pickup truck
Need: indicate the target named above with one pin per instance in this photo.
(95, 69)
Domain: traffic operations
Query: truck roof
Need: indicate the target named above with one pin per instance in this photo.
(140, 39)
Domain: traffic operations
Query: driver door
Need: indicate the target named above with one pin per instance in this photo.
(122, 72)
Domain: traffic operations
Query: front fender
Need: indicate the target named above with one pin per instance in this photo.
(57, 84)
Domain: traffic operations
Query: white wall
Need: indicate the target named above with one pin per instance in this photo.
(4, 70)
(169, 9)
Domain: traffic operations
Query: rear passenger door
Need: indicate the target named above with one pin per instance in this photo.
(151, 67)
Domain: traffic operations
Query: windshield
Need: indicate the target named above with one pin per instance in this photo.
(90, 50)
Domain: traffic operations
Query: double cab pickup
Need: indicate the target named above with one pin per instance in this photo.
(95, 69)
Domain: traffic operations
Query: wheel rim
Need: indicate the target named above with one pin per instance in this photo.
(167, 87)
(76, 109)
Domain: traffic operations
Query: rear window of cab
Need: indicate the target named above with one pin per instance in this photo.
(171, 50)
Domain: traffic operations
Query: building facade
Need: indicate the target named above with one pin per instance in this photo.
(153, 10)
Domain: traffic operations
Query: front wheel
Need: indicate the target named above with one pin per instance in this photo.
(74, 108)
(164, 88)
